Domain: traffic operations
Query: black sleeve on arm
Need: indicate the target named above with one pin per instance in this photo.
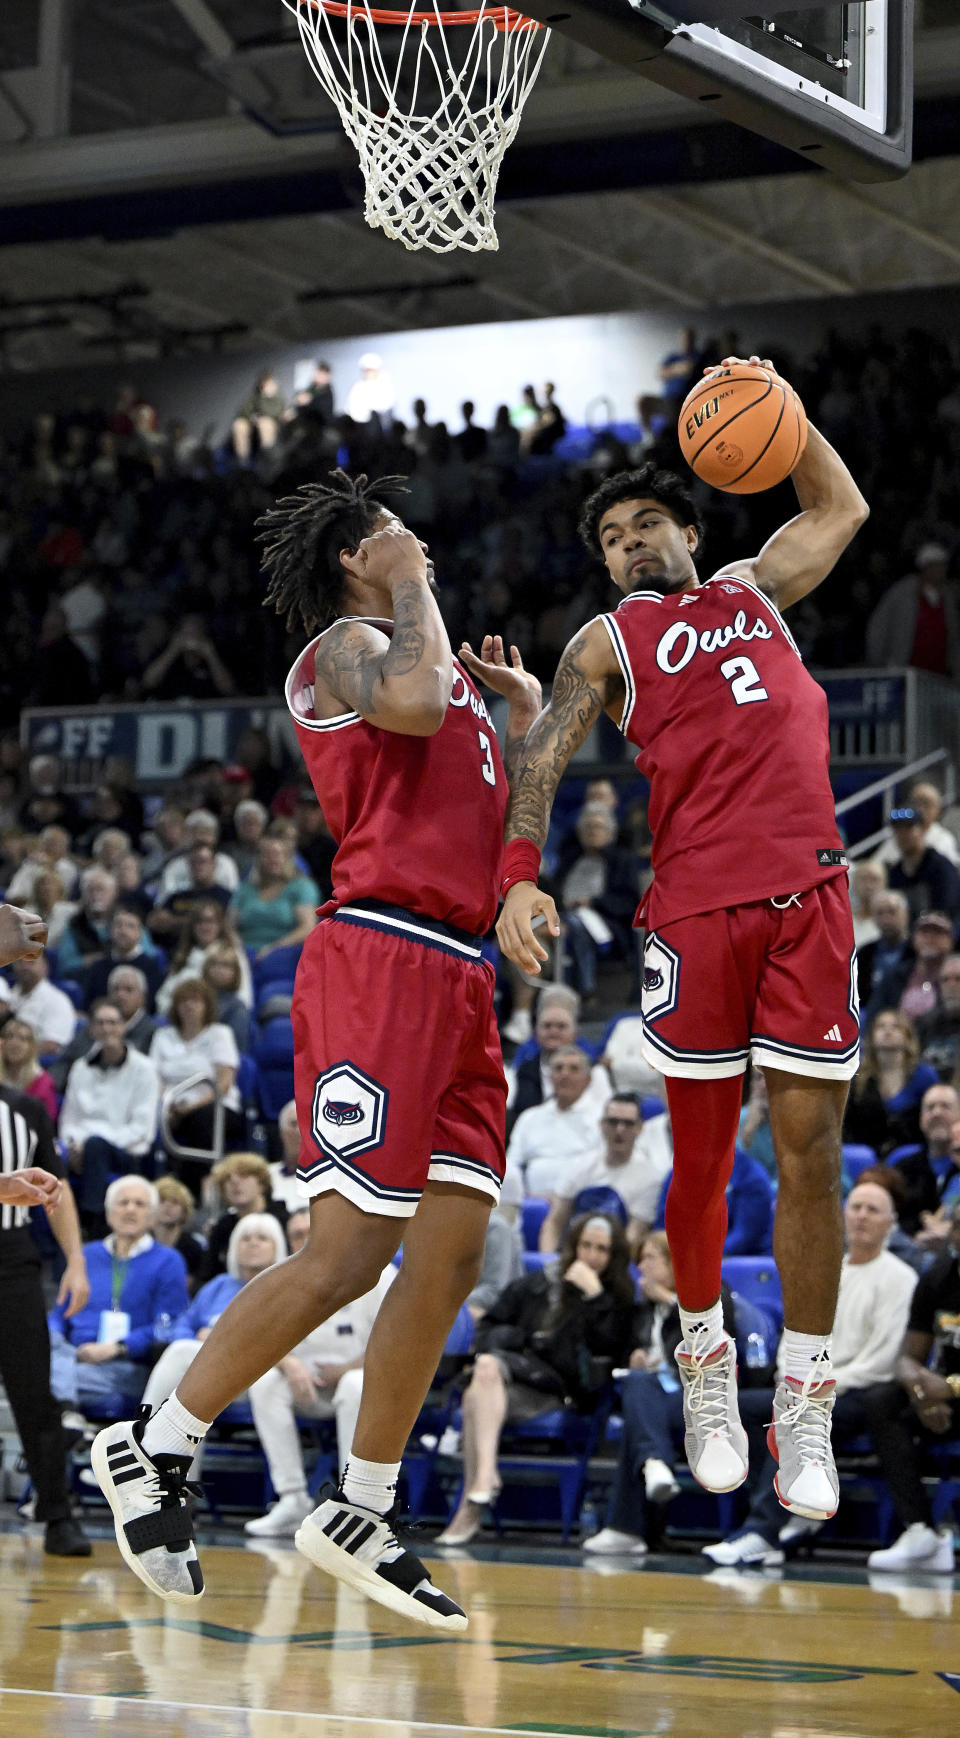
(40, 1122)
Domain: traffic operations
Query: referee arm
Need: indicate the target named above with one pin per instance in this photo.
(62, 1217)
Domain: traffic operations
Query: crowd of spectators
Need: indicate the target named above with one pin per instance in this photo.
(129, 562)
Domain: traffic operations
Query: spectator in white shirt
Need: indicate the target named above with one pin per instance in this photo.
(109, 1116)
(201, 827)
(371, 395)
(928, 802)
(51, 851)
(549, 1139)
(195, 1043)
(47, 1010)
(284, 1185)
(636, 1157)
(867, 879)
(321, 1378)
(558, 1010)
(626, 1065)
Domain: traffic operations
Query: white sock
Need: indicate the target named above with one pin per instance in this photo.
(801, 1351)
(371, 1483)
(173, 1430)
(708, 1327)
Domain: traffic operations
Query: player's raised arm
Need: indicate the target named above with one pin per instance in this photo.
(586, 681)
(798, 557)
(400, 683)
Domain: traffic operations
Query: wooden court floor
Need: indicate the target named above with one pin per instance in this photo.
(276, 1650)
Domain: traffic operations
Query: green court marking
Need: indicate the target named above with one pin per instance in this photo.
(582, 1731)
(521, 1653)
(746, 1670)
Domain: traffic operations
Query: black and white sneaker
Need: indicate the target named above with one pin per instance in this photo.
(152, 1503)
(360, 1548)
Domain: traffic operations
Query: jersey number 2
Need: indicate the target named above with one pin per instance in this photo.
(488, 769)
(744, 679)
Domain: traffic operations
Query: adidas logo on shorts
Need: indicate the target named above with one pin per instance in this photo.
(833, 1036)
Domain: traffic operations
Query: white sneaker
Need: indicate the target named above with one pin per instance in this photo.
(519, 1027)
(799, 1438)
(658, 1482)
(611, 1543)
(920, 1548)
(360, 1548)
(749, 1548)
(798, 1527)
(715, 1440)
(282, 1521)
(151, 1502)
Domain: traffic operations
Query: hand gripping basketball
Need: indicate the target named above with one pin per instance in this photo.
(742, 428)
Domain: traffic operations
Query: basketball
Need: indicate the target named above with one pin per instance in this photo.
(742, 429)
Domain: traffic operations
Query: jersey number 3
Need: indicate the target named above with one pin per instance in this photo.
(744, 679)
(488, 769)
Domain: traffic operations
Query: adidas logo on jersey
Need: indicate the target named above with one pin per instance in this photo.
(833, 1036)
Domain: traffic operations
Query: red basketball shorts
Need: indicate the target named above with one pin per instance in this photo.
(397, 1062)
(777, 982)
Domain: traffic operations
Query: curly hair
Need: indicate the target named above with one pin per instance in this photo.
(302, 537)
(664, 487)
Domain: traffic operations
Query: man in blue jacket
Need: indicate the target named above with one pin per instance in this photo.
(136, 1287)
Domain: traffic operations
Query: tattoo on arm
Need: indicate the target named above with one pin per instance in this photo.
(352, 662)
(575, 705)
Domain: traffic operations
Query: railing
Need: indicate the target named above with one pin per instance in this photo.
(903, 774)
(211, 1155)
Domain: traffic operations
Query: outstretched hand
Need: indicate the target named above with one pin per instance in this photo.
(741, 362)
(31, 1187)
(516, 684)
(22, 934)
(515, 931)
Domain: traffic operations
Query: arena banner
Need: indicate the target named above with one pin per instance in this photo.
(159, 741)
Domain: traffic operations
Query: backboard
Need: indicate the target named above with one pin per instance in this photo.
(832, 82)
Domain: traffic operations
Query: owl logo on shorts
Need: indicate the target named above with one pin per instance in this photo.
(661, 978)
(349, 1111)
(341, 1113)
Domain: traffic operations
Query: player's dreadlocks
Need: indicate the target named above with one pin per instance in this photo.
(302, 537)
(662, 486)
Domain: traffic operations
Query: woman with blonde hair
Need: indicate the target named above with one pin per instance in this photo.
(174, 1211)
(207, 925)
(276, 905)
(243, 1183)
(50, 900)
(883, 1110)
(20, 1069)
(221, 970)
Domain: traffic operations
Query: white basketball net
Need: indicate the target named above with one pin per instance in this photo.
(431, 129)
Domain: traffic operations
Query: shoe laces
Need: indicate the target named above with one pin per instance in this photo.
(809, 1417)
(167, 1480)
(707, 1397)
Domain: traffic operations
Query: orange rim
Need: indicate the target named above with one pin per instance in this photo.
(501, 17)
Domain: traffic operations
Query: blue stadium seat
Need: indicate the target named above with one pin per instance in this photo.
(902, 1153)
(532, 1259)
(651, 1107)
(600, 1198)
(532, 1214)
(280, 965)
(273, 1054)
(267, 990)
(856, 1158)
(755, 1278)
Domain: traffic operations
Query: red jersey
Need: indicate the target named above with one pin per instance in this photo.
(733, 734)
(418, 820)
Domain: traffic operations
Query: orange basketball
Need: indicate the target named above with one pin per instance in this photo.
(743, 429)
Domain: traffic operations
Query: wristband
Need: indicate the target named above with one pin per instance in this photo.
(521, 862)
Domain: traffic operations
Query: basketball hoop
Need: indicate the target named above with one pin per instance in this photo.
(430, 108)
